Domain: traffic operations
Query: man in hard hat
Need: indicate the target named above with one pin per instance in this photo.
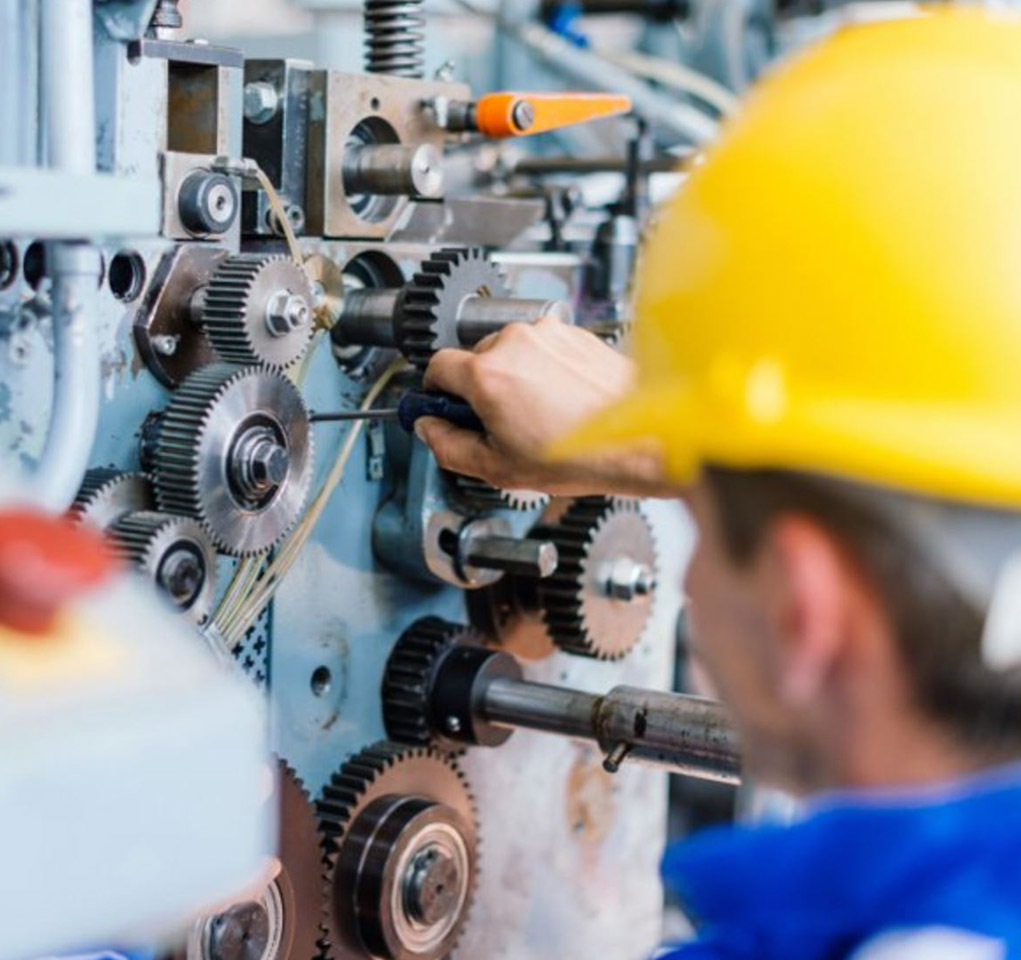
(828, 365)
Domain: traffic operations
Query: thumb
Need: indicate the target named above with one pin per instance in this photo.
(456, 449)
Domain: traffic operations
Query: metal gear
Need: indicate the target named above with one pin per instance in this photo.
(283, 924)
(234, 452)
(599, 600)
(408, 679)
(258, 309)
(483, 496)
(107, 494)
(175, 553)
(400, 846)
(427, 319)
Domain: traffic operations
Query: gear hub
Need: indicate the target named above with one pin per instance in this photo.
(234, 452)
(400, 844)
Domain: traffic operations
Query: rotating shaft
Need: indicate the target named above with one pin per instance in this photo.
(441, 690)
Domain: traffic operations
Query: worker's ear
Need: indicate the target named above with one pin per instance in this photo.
(808, 607)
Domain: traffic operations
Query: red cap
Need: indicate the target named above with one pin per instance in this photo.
(45, 562)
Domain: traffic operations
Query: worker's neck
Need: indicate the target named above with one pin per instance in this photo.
(905, 751)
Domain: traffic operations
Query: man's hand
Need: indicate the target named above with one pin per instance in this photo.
(530, 384)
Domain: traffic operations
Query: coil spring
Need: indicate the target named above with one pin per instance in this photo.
(395, 38)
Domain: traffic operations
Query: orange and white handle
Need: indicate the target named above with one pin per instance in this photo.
(502, 115)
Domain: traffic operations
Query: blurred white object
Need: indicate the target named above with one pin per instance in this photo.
(134, 778)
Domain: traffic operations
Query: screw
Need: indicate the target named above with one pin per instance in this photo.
(432, 886)
(165, 344)
(286, 312)
(242, 931)
(262, 101)
(181, 575)
(523, 115)
(445, 72)
(453, 724)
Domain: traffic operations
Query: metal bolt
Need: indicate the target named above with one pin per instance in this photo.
(453, 724)
(445, 72)
(270, 463)
(523, 115)
(165, 344)
(181, 575)
(286, 312)
(525, 557)
(432, 886)
(240, 933)
(262, 101)
(627, 580)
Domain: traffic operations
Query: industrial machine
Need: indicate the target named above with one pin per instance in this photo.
(198, 264)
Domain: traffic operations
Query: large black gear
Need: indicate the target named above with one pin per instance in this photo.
(200, 432)
(586, 611)
(408, 678)
(400, 845)
(236, 302)
(427, 318)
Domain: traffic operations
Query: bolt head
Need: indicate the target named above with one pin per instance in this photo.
(523, 115)
(453, 724)
(261, 102)
(287, 312)
(182, 575)
(270, 464)
(433, 886)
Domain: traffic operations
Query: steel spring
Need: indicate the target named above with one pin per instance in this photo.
(395, 38)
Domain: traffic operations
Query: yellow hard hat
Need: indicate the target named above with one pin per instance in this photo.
(838, 287)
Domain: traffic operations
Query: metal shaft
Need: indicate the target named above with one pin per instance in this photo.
(481, 316)
(690, 735)
(523, 557)
(391, 169)
(367, 318)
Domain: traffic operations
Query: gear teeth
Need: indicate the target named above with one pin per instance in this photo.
(408, 676)
(177, 485)
(427, 318)
(483, 496)
(178, 458)
(563, 594)
(106, 493)
(233, 311)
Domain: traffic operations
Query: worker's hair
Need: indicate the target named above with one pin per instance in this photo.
(932, 564)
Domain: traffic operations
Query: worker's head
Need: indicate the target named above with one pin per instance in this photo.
(835, 293)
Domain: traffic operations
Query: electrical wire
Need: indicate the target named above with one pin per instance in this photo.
(232, 624)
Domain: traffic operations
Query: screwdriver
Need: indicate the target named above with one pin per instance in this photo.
(413, 405)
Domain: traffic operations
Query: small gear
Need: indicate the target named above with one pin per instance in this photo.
(428, 316)
(599, 600)
(400, 847)
(234, 452)
(483, 496)
(408, 679)
(175, 553)
(283, 923)
(107, 494)
(258, 309)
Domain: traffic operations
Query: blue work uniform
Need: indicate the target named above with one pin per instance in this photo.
(931, 874)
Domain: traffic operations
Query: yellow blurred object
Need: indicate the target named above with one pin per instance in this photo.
(838, 288)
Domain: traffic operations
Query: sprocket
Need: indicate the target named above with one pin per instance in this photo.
(599, 600)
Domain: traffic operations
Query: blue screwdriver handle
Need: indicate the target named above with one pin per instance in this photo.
(417, 403)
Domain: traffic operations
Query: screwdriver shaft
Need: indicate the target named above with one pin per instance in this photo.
(384, 413)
